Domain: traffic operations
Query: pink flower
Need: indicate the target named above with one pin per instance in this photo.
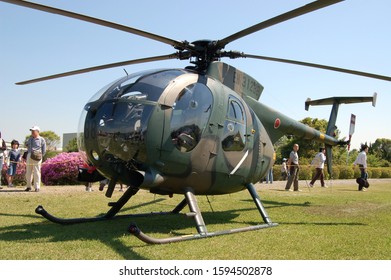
(61, 169)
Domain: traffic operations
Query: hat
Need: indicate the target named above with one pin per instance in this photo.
(284, 159)
(35, 127)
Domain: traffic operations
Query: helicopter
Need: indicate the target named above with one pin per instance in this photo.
(194, 131)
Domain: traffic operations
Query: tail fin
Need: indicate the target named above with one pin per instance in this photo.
(331, 128)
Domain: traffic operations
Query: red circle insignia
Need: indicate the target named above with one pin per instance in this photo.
(277, 123)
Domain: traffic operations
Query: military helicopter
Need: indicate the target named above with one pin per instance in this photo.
(193, 131)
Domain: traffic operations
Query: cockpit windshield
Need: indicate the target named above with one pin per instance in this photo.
(115, 120)
(148, 85)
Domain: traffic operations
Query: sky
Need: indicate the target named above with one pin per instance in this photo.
(351, 34)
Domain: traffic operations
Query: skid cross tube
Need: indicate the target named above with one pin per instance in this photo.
(200, 225)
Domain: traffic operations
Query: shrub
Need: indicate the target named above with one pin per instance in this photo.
(385, 172)
(376, 172)
(346, 172)
(277, 173)
(305, 173)
(19, 178)
(336, 172)
(61, 169)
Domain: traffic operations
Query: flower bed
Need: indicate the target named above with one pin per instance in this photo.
(61, 169)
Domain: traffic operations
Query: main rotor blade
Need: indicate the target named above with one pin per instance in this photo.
(331, 68)
(48, 9)
(278, 19)
(101, 67)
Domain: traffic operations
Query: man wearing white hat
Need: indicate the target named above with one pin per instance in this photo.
(36, 148)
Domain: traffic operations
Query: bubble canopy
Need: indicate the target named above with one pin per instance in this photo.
(114, 123)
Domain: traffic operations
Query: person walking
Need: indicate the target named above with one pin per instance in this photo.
(293, 165)
(36, 149)
(361, 161)
(318, 162)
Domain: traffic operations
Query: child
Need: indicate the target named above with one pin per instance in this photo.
(14, 158)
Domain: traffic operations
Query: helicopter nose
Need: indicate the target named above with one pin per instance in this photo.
(116, 130)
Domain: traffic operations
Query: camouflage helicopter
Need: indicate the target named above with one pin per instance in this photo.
(193, 131)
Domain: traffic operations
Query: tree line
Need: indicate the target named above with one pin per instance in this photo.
(379, 154)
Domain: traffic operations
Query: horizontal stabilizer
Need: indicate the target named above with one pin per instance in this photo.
(341, 100)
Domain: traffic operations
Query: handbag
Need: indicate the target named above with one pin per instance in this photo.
(363, 182)
(36, 155)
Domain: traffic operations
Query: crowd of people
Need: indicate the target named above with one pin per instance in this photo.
(36, 149)
(32, 158)
(290, 169)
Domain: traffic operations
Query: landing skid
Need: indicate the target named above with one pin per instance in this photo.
(111, 214)
(195, 213)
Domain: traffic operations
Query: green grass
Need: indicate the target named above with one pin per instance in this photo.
(335, 223)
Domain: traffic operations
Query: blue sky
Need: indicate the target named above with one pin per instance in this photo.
(351, 34)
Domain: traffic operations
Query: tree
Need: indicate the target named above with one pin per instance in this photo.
(278, 147)
(72, 146)
(307, 148)
(381, 149)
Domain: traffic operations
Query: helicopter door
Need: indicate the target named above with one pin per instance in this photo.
(234, 138)
(182, 148)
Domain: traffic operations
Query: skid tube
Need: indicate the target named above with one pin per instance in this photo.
(111, 214)
(200, 225)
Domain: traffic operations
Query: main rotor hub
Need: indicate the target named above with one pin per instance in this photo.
(205, 51)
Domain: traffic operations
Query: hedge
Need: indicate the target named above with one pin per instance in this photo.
(339, 172)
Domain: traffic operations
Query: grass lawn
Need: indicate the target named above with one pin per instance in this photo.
(335, 223)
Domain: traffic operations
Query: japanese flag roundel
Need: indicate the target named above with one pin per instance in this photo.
(277, 123)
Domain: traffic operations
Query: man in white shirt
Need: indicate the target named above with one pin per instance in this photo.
(361, 160)
(318, 162)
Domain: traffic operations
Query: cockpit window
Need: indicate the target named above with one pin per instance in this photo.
(115, 121)
(149, 84)
(234, 128)
(190, 116)
(235, 111)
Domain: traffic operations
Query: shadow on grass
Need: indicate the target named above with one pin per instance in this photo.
(12, 191)
(110, 233)
(323, 223)
(274, 204)
(107, 232)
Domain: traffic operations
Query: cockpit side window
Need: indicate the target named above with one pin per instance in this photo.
(235, 111)
(234, 128)
(190, 115)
